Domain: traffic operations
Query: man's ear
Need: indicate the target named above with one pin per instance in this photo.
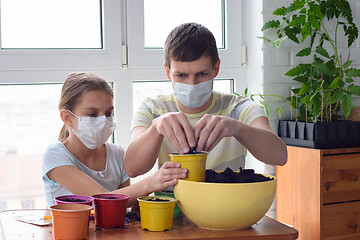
(217, 68)
(66, 117)
(167, 70)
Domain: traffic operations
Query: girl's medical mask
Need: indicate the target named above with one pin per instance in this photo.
(94, 131)
(193, 96)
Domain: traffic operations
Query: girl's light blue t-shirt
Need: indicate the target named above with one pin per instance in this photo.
(58, 155)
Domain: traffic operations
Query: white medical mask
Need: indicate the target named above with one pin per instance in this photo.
(193, 96)
(94, 131)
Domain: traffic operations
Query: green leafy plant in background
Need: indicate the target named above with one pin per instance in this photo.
(327, 83)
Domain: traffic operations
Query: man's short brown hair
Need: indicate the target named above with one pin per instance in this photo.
(189, 42)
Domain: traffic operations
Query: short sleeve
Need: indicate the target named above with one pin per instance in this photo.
(54, 157)
(143, 116)
(251, 112)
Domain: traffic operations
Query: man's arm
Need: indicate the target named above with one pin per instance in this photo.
(258, 138)
(145, 144)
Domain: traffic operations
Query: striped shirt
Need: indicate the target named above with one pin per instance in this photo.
(228, 152)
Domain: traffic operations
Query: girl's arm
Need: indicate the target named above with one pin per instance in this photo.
(80, 183)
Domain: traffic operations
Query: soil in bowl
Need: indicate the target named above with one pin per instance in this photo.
(229, 176)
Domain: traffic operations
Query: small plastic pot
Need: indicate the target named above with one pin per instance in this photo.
(169, 193)
(71, 199)
(156, 215)
(195, 163)
(70, 221)
(110, 210)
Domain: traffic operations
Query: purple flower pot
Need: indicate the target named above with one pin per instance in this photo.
(79, 199)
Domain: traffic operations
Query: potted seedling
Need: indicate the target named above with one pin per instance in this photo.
(326, 77)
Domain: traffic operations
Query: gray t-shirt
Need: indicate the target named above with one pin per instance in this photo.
(58, 155)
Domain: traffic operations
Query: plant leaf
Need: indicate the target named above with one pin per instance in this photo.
(322, 68)
(336, 82)
(347, 64)
(271, 24)
(265, 38)
(352, 72)
(304, 89)
(347, 105)
(354, 89)
(301, 68)
(304, 52)
(279, 112)
(291, 34)
(280, 11)
(314, 22)
(322, 51)
(336, 96)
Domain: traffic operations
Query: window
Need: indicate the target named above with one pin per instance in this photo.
(91, 43)
(155, 11)
(149, 25)
(41, 24)
(30, 122)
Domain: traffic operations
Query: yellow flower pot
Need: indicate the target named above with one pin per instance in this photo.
(195, 163)
(156, 215)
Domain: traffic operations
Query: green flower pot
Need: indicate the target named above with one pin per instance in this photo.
(169, 193)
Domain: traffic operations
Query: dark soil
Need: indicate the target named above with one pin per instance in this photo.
(111, 198)
(229, 176)
(72, 200)
(157, 200)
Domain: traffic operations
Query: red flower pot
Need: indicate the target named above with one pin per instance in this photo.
(110, 210)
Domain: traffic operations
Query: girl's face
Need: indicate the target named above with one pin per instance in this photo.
(93, 104)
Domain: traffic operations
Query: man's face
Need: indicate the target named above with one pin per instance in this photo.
(194, 72)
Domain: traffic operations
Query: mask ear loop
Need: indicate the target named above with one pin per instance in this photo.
(73, 113)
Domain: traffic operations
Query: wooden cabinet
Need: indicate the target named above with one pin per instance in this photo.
(318, 192)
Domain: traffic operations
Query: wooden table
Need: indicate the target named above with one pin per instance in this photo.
(266, 229)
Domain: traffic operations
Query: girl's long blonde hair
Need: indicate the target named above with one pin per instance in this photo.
(75, 85)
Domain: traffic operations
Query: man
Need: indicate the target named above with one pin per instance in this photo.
(194, 116)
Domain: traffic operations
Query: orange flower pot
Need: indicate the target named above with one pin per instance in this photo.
(70, 221)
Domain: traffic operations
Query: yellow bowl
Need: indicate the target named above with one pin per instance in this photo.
(195, 163)
(224, 206)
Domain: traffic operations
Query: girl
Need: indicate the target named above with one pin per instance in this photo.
(82, 162)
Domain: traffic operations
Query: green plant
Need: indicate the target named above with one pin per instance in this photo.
(327, 83)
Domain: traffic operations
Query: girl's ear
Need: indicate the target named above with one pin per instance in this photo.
(66, 117)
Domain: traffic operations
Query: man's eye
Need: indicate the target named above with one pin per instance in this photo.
(92, 115)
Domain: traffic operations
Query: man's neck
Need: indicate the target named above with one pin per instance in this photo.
(188, 110)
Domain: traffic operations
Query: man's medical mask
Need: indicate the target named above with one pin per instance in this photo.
(94, 131)
(193, 96)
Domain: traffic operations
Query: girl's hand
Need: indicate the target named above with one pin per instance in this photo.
(167, 176)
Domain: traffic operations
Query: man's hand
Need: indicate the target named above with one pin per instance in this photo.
(211, 129)
(175, 127)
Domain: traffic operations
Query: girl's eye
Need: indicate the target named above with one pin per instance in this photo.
(110, 114)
